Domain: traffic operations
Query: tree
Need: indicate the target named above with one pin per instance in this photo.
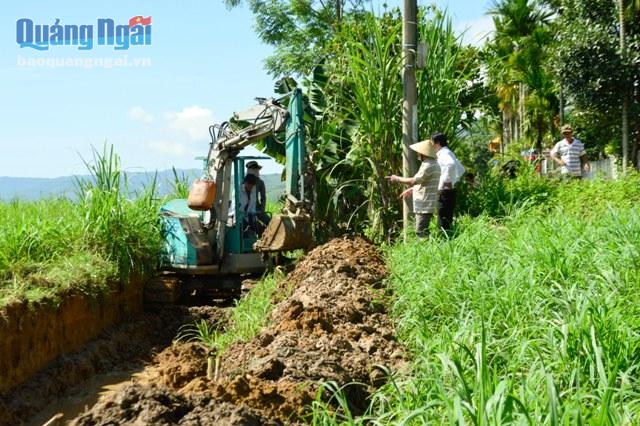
(353, 115)
(516, 60)
(600, 76)
(300, 30)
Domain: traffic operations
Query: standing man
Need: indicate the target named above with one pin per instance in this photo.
(451, 170)
(424, 186)
(569, 153)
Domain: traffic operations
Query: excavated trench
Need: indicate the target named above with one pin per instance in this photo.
(332, 326)
(117, 357)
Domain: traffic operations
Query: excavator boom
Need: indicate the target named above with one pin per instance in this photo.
(290, 229)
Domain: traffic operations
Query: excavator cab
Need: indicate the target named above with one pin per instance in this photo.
(215, 241)
(242, 231)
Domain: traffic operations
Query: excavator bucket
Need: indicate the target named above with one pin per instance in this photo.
(285, 232)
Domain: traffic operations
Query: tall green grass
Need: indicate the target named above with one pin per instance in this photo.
(533, 319)
(55, 244)
(40, 251)
(497, 196)
(126, 231)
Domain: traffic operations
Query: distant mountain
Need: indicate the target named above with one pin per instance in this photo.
(12, 188)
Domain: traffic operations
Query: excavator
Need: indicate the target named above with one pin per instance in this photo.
(207, 252)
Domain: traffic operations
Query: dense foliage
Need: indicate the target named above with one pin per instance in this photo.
(299, 30)
(516, 60)
(353, 115)
(596, 72)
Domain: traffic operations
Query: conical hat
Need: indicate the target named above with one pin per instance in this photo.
(425, 148)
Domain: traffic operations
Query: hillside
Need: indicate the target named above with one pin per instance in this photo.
(32, 189)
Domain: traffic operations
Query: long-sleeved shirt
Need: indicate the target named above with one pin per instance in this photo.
(451, 170)
(247, 200)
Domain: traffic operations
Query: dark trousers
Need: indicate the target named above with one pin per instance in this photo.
(422, 224)
(447, 200)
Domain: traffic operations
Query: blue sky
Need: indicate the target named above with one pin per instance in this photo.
(204, 63)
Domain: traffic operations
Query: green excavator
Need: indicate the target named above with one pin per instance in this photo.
(207, 250)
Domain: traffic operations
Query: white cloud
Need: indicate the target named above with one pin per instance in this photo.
(138, 113)
(476, 31)
(194, 120)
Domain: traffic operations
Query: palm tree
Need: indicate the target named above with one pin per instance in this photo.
(516, 67)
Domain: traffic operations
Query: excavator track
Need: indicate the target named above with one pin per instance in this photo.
(170, 288)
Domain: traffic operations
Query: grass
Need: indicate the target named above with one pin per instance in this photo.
(53, 245)
(533, 318)
(247, 318)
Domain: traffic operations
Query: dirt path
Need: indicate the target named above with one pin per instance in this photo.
(333, 327)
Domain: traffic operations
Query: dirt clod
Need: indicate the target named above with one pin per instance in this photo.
(157, 405)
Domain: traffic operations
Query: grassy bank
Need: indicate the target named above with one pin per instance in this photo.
(52, 245)
(530, 319)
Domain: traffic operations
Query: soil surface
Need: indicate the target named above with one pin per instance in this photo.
(127, 347)
(333, 326)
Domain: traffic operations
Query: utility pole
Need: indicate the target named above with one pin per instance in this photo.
(560, 12)
(625, 95)
(409, 100)
(561, 105)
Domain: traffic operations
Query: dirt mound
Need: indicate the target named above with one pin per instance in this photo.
(180, 364)
(156, 405)
(332, 327)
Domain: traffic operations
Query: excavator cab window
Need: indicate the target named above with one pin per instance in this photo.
(247, 224)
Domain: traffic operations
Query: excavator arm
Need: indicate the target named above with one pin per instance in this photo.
(291, 229)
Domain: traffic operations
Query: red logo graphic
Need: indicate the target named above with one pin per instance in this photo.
(139, 20)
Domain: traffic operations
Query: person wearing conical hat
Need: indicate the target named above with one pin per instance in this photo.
(424, 186)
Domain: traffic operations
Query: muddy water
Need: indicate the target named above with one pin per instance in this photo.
(86, 396)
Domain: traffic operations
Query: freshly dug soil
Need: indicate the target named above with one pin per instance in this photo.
(123, 347)
(333, 326)
(157, 405)
(34, 333)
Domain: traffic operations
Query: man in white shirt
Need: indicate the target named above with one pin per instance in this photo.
(569, 153)
(247, 194)
(451, 170)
